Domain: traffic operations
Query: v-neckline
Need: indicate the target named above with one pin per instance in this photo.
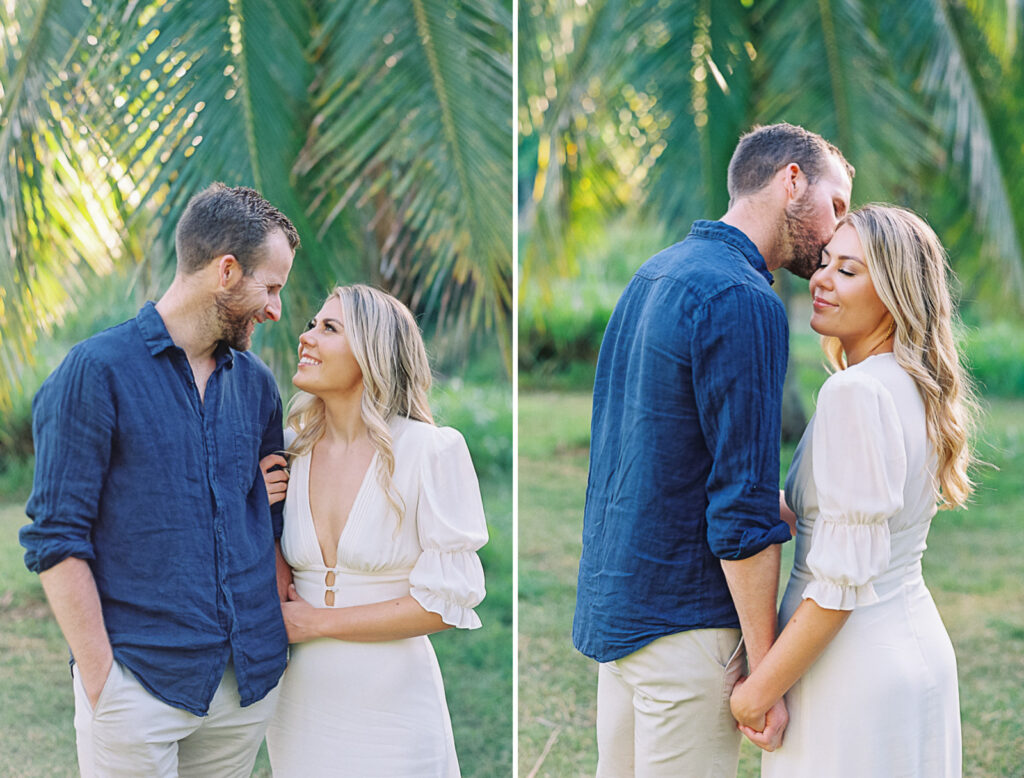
(348, 519)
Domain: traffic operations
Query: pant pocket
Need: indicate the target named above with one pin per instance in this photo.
(112, 676)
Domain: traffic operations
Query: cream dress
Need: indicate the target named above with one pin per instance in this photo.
(369, 710)
(881, 701)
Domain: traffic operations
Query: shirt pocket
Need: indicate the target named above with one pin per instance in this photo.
(247, 439)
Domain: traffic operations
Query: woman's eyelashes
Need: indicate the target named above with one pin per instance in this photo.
(328, 327)
(842, 269)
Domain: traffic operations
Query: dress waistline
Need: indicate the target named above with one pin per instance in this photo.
(350, 588)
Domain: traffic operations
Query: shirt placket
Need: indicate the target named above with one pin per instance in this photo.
(215, 475)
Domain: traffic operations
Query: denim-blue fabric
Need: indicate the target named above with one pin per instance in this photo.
(684, 450)
(161, 493)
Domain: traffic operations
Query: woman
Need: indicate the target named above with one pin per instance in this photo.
(864, 660)
(382, 521)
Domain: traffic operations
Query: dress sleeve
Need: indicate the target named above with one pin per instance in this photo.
(859, 465)
(448, 578)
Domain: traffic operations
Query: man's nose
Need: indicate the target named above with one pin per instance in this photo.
(273, 309)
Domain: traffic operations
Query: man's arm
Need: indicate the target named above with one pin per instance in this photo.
(71, 590)
(754, 586)
(741, 359)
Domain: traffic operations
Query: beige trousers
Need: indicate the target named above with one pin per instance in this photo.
(664, 709)
(132, 733)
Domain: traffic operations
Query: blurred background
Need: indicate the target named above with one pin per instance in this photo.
(628, 113)
(383, 129)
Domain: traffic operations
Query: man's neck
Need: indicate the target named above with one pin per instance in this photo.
(759, 221)
(188, 321)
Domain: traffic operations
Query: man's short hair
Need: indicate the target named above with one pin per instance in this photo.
(228, 220)
(763, 151)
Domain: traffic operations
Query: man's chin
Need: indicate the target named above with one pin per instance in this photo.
(238, 343)
(801, 270)
(804, 266)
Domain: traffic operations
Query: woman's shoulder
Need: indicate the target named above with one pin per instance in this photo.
(876, 386)
(870, 376)
(421, 434)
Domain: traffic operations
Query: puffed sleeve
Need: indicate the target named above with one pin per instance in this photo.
(860, 466)
(448, 578)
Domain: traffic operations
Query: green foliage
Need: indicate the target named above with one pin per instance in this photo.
(636, 106)
(561, 323)
(381, 130)
(995, 356)
(483, 414)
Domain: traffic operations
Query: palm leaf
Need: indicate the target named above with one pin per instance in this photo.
(145, 103)
(935, 53)
(183, 94)
(412, 127)
(58, 212)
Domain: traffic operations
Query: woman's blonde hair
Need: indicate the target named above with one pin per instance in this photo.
(909, 269)
(388, 347)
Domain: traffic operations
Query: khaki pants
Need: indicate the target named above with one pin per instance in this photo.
(664, 709)
(132, 733)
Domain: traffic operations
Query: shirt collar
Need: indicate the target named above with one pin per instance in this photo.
(158, 339)
(714, 230)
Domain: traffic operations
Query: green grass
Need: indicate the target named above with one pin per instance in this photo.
(37, 703)
(974, 568)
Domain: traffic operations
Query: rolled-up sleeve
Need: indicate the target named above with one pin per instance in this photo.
(72, 427)
(740, 348)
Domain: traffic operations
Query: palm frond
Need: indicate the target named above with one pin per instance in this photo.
(412, 125)
(57, 214)
(934, 52)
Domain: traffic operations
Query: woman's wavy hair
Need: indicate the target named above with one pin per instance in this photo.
(388, 347)
(909, 269)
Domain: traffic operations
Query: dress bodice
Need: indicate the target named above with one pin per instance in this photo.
(862, 485)
(428, 551)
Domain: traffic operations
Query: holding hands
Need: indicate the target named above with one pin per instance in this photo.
(764, 728)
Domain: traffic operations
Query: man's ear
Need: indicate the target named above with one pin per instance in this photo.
(229, 272)
(794, 180)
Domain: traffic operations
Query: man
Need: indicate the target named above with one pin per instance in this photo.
(152, 533)
(681, 524)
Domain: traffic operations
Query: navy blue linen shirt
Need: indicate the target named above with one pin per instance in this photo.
(161, 492)
(684, 450)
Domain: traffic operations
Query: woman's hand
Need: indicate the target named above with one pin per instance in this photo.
(300, 618)
(275, 480)
(764, 728)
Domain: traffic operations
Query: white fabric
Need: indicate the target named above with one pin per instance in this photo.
(882, 700)
(378, 709)
(859, 467)
(132, 733)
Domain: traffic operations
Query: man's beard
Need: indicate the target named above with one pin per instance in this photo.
(234, 325)
(804, 243)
